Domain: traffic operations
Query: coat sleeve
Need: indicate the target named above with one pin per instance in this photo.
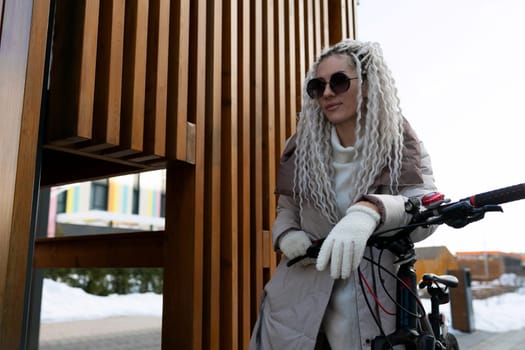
(392, 207)
(287, 218)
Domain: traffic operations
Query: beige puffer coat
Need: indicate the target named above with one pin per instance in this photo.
(295, 299)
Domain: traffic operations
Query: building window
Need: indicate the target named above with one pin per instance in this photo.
(99, 195)
(136, 195)
(61, 202)
(163, 205)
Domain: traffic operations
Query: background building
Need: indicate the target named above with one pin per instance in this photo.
(438, 260)
(490, 265)
(118, 204)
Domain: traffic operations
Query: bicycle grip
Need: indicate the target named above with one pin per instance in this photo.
(499, 196)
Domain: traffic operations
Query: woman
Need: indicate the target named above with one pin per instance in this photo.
(346, 173)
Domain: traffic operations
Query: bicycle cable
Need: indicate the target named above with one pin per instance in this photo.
(374, 316)
(385, 289)
(374, 281)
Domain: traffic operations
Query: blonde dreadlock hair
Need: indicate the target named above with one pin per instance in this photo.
(379, 140)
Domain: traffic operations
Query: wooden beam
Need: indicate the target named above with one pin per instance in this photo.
(22, 58)
(137, 249)
(183, 261)
(183, 311)
(61, 167)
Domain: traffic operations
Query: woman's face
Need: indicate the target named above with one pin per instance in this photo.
(340, 108)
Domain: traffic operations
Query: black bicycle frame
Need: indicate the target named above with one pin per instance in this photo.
(407, 332)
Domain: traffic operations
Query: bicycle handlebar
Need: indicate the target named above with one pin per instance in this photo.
(457, 214)
(499, 196)
(469, 209)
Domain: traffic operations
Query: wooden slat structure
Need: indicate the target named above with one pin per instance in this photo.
(207, 89)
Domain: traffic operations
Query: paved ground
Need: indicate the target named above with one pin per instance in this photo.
(144, 333)
(480, 340)
(116, 333)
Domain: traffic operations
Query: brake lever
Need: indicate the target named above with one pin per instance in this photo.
(462, 213)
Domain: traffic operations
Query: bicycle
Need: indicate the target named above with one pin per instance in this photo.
(415, 329)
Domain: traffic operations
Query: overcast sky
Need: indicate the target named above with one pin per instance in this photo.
(459, 68)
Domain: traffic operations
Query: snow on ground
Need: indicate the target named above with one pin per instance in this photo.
(500, 313)
(495, 314)
(61, 303)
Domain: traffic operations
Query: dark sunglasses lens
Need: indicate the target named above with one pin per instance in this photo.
(339, 83)
(315, 88)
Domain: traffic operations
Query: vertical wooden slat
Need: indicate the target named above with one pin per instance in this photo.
(337, 23)
(157, 78)
(325, 24)
(344, 18)
(213, 172)
(108, 84)
(134, 76)
(318, 30)
(229, 299)
(86, 89)
(70, 117)
(234, 184)
(22, 56)
(270, 122)
(300, 47)
(256, 148)
(267, 249)
(352, 25)
(177, 110)
(199, 75)
(246, 302)
(292, 81)
(310, 33)
(281, 76)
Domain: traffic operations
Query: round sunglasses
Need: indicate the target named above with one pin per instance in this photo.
(339, 83)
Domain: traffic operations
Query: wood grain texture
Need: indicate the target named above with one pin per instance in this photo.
(22, 57)
(208, 89)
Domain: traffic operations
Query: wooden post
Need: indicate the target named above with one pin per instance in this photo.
(22, 56)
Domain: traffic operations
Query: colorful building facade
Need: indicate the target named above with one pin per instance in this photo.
(134, 201)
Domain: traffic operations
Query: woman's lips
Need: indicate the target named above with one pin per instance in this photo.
(331, 106)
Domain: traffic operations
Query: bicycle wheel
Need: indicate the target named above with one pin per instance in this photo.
(451, 342)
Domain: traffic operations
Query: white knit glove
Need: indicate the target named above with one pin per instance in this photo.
(294, 243)
(345, 244)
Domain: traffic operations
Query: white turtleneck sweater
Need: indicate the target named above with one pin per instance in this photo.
(345, 163)
(340, 321)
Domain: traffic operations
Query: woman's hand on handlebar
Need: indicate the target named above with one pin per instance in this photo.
(294, 243)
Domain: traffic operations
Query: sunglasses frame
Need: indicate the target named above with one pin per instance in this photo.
(337, 87)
